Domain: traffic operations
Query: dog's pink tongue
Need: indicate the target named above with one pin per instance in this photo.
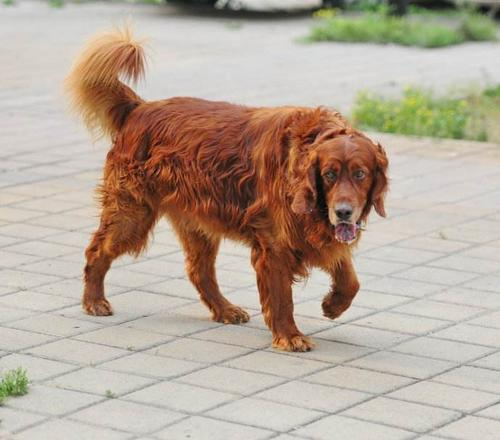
(345, 232)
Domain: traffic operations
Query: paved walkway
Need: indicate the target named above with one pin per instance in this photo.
(417, 356)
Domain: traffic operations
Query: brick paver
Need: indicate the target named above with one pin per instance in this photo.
(417, 355)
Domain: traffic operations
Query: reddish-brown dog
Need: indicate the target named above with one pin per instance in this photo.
(293, 183)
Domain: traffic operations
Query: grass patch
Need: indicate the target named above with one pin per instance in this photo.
(422, 30)
(14, 383)
(420, 113)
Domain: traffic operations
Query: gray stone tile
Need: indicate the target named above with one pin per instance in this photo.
(52, 401)
(402, 364)
(55, 325)
(471, 427)
(442, 349)
(196, 427)
(445, 396)
(348, 428)
(363, 336)
(237, 335)
(491, 362)
(401, 323)
(278, 417)
(313, 396)
(37, 369)
(282, 365)
(123, 415)
(15, 420)
(78, 352)
(180, 397)
(359, 379)
(61, 429)
(471, 377)
(102, 382)
(13, 339)
(123, 336)
(471, 334)
(405, 415)
(198, 350)
(143, 364)
(230, 380)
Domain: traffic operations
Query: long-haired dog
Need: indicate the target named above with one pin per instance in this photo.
(295, 184)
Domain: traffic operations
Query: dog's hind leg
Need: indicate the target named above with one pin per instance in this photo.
(124, 228)
(200, 252)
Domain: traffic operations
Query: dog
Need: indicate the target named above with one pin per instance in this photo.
(295, 184)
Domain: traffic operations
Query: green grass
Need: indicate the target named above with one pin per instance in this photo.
(14, 383)
(422, 30)
(420, 113)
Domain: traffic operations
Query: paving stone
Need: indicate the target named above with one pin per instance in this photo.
(491, 412)
(173, 323)
(402, 323)
(439, 310)
(230, 380)
(405, 415)
(488, 320)
(154, 366)
(14, 420)
(37, 369)
(445, 396)
(198, 351)
(403, 364)
(471, 377)
(348, 428)
(18, 280)
(123, 336)
(237, 335)
(13, 339)
(60, 429)
(470, 428)
(278, 417)
(278, 364)
(436, 275)
(123, 415)
(313, 396)
(357, 335)
(404, 287)
(79, 352)
(359, 379)
(180, 397)
(143, 304)
(35, 301)
(8, 315)
(491, 362)
(470, 297)
(471, 334)
(98, 381)
(54, 325)
(442, 349)
(52, 401)
(209, 429)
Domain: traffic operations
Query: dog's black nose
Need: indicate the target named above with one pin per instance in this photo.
(343, 212)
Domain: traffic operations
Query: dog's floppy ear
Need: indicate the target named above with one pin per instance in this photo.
(306, 195)
(380, 183)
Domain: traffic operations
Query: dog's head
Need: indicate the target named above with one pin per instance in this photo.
(343, 175)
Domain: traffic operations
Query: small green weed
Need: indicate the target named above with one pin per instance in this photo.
(56, 3)
(14, 383)
(109, 394)
(419, 113)
(8, 2)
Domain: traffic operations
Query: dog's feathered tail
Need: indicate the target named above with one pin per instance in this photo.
(94, 85)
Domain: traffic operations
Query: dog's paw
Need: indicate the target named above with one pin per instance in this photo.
(231, 315)
(293, 343)
(98, 308)
(332, 307)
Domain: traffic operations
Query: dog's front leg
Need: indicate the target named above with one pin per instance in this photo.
(344, 289)
(274, 280)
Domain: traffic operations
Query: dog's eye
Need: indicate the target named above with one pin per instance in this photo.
(359, 174)
(330, 175)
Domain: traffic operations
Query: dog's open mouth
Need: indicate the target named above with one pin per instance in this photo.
(346, 232)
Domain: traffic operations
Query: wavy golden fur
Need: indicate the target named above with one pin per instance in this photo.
(261, 176)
